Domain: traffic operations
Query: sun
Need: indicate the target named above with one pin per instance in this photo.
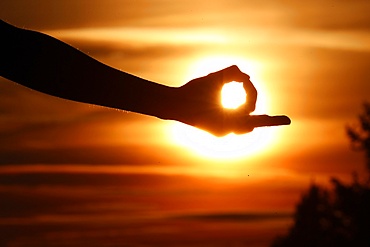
(232, 95)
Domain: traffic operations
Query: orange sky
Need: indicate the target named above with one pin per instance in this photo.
(309, 60)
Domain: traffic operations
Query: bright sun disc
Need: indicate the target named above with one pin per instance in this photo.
(233, 95)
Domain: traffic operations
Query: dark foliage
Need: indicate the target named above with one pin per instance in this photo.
(360, 134)
(340, 216)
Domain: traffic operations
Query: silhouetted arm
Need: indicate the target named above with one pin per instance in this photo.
(48, 65)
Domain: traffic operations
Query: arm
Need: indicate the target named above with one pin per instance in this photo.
(48, 65)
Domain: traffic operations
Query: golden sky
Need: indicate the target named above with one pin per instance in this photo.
(308, 59)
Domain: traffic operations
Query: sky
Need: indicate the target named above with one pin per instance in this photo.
(308, 60)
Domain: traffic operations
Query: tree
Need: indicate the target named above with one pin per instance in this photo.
(338, 217)
(360, 134)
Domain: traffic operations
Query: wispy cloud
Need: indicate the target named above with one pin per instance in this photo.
(237, 217)
(313, 14)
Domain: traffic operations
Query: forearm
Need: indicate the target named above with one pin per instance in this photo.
(50, 66)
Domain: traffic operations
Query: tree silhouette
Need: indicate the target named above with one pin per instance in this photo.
(338, 217)
(360, 134)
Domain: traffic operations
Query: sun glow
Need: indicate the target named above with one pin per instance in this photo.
(233, 94)
(229, 147)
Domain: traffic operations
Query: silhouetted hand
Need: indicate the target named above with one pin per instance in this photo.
(200, 105)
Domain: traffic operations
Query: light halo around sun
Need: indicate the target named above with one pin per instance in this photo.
(231, 146)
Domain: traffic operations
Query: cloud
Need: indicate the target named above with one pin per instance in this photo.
(68, 207)
(95, 179)
(330, 15)
(82, 13)
(237, 217)
(66, 14)
(129, 52)
(324, 84)
(312, 14)
(325, 154)
(102, 154)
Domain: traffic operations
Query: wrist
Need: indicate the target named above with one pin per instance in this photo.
(167, 103)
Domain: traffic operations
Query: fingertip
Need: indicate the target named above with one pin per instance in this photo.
(285, 120)
(233, 71)
(234, 67)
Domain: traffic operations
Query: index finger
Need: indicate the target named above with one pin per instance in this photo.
(251, 96)
(265, 120)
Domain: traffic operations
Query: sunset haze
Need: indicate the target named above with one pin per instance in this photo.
(81, 174)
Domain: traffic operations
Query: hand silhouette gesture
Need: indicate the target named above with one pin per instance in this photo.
(48, 65)
(200, 105)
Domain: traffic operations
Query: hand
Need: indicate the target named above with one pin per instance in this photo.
(199, 105)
